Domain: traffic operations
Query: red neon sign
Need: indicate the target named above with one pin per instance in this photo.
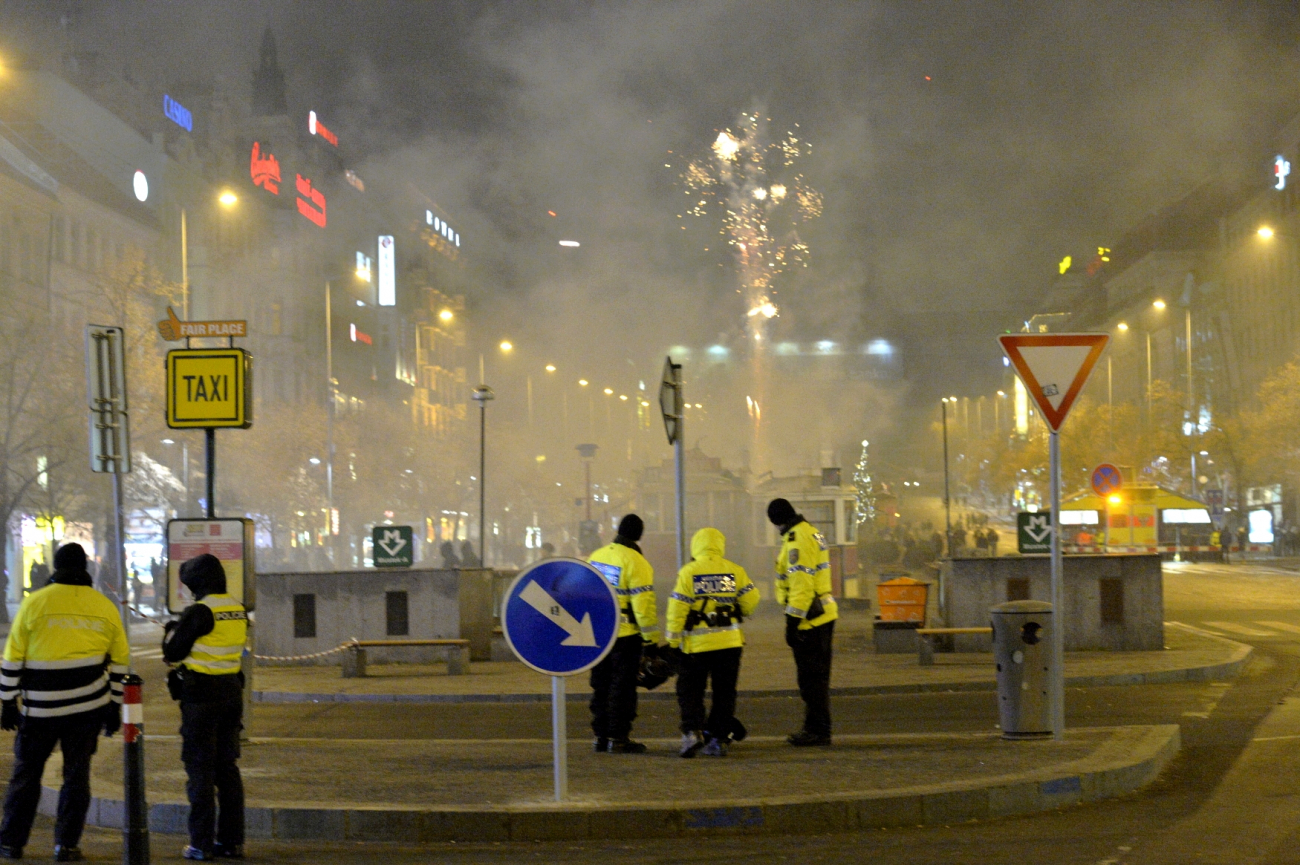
(265, 170)
(314, 196)
(315, 127)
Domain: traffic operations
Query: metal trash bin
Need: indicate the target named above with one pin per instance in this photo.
(1022, 648)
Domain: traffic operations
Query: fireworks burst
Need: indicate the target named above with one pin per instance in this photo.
(750, 181)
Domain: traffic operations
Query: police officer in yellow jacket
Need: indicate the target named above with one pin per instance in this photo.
(207, 644)
(803, 587)
(65, 656)
(613, 680)
(705, 611)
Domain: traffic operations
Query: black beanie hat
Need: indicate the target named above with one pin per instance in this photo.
(70, 558)
(631, 527)
(780, 512)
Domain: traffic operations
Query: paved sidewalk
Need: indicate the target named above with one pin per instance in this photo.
(412, 791)
(767, 669)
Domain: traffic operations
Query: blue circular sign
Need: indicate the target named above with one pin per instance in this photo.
(1106, 479)
(560, 616)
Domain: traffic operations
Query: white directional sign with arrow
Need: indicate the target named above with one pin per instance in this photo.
(392, 546)
(580, 633)
(1034, 532)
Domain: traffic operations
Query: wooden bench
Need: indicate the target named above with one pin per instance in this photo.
(925, 645)
(354, 659)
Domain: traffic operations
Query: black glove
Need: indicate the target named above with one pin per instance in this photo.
(650, 650)
(9, 715)
(112, 718)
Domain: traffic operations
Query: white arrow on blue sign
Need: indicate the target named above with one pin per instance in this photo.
(560, 617)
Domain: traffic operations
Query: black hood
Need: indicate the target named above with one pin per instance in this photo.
(203, 576)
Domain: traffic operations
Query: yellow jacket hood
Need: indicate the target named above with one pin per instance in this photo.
(708, 543)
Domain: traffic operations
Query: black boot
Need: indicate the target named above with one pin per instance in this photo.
(625, 746)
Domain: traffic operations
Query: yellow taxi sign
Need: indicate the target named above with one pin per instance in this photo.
(209, 388)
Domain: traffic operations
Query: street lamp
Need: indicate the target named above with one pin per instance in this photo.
(481, 395)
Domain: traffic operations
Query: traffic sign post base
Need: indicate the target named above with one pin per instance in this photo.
(560, 737)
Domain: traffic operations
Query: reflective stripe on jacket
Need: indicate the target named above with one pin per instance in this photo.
(218, 653)
(633, 580)
(66, 652)
(803, 573)
(709, 582)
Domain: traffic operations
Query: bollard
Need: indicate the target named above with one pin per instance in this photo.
(135, 825)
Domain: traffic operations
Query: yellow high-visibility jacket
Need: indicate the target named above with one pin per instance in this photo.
(219, 652)
(66, 653)
(634, 581)
(803, 573)
(711, 596)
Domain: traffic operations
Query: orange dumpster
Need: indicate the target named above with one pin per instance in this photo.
(902, 599)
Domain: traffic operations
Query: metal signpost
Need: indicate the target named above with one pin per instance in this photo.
(110, 452)
(560, 617)
(1054, 368)
(672, 404)
(392, 546)
(110, 431)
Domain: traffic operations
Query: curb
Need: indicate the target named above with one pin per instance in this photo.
(1228, 669)
(1100, 776)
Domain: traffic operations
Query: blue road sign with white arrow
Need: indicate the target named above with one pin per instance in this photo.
(560, 617)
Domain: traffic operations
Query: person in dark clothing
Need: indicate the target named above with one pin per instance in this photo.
(207, 645)
(449, 560)
(468, 558)
(613, 680)
(65, 657)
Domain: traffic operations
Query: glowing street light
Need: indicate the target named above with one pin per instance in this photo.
(582, 382)
(1159, 305)
(228, 198)
(507, 345)
(609, 391)
(1265, 232)
(1122, 327)
(446, 315)
(550, 367)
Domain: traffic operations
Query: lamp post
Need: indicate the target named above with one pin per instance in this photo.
(481, 395)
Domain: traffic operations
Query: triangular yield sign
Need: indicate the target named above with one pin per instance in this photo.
(1054, 367)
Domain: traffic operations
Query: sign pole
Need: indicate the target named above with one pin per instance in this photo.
(1058, 604)
(560, 737)
(210, 438)
(119, 556)
(679, 464)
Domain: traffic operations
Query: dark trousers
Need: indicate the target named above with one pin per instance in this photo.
(210, 751)
(77, 736)
(723, 667)
(613, 689)
(812, 661)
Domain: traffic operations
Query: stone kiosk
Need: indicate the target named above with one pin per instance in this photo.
(298, 614)
(1112, 602)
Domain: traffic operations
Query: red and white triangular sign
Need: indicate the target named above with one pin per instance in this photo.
(1054, 367)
